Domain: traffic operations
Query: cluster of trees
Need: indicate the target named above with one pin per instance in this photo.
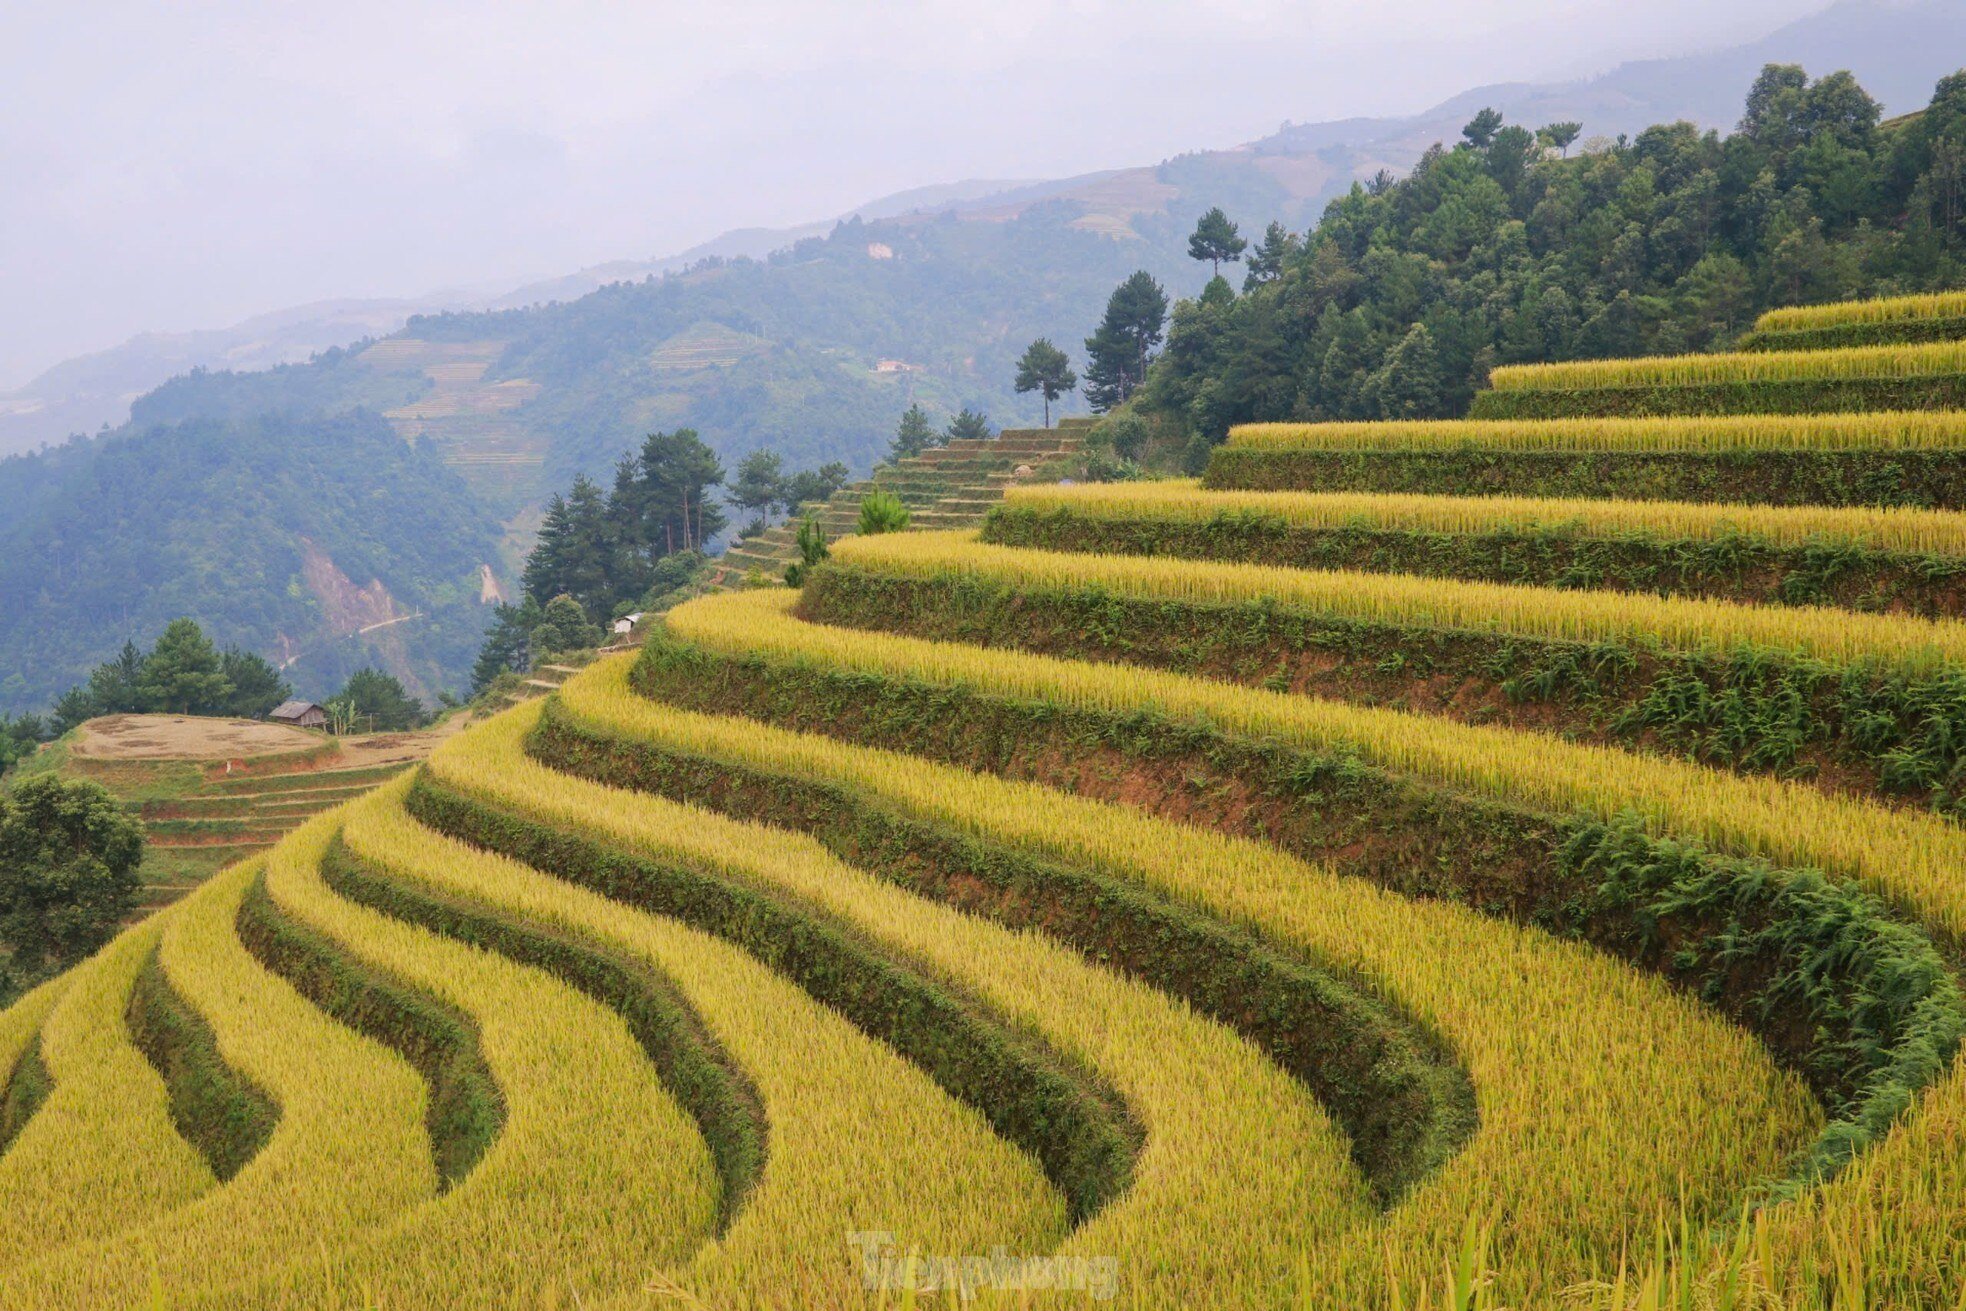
(69, 854)
(602, 553)
(374, 702)
(916, 433)
(183, 674)
(225, 520)
(1507, 247)
(762, 486)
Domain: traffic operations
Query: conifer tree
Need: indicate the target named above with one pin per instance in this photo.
(913, 436)
(1118, 353)
(1216, 240)
(970, 426)
(1046, 370)
(183, 674)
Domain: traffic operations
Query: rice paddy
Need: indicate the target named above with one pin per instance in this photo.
(1254, 892)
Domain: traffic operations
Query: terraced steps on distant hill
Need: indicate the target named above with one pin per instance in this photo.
(951, 486)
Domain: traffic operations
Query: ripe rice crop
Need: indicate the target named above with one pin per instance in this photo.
(349, 1151)
(1672, 623)
(859, 1138)
(1233, 1145)
(1865, 431)
(1910, 859)
(1912, 531)
(1929, 360)
(1932, 305)
(1890, 1222)
(587, 1122)
(1484, 984)
(101, 1152)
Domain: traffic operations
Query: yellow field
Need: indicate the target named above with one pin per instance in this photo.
(1910, 430)
(1934, 359)
(866, 1028)
(1184, 500)
(1482, 983)
(1556, 614)
(1941, 305)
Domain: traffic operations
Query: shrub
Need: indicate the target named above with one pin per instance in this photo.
(882, 512)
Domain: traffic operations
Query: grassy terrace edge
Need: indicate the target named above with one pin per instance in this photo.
(1725, 566)
(27, 1087)
(1859, 725)
(216, 1108)
(717, 1094)
(1864, 1006)
(1919, 479)
(1404, 1104)
(1946, 391)
(466, 1111)
(1062, 1115)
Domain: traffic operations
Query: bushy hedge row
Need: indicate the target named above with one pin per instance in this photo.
(1774, 396)
(27, 1086)
(701, 1076)
(1926, 479)
(1859, 728)
(218, 1110)
(466, 1109)
(1881, 332)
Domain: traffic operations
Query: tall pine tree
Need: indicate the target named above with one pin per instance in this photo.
(1118, 353)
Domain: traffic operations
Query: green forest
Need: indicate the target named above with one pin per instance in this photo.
(1515, 245)
(116, 536)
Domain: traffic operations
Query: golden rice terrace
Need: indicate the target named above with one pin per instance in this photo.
(1518, 862)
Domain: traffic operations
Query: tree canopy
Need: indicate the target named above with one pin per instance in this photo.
(1046, 370)
(69, 853)
(913, 435)
(1117, 354)
(1502, 251)
(1216, 240)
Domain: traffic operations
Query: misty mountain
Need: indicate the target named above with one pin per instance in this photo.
(1897, 49)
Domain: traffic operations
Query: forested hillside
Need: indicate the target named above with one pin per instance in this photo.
(283, 536)
(1500, 250)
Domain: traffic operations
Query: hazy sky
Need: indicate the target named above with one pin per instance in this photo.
(186, 165)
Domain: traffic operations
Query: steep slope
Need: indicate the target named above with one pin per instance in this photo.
(289, 537)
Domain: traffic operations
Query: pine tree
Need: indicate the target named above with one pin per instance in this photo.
(1267, 260)
(1045, 370)
(508, 643)
(1216, 240)
(760, 483)
(913, 435)
(256, 685)
(375, 701)
(663, 505)
(970, 426)
(183, 673)
(1118, 353)
(578, 552)
(1409, 384)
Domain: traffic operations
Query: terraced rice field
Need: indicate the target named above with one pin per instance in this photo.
(1246, 893)
(213, 792)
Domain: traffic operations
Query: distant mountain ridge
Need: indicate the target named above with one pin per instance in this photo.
(1897, 50)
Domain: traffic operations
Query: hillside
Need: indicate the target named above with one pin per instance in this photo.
(323, 543)
(213, 792)
(1520, 903)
